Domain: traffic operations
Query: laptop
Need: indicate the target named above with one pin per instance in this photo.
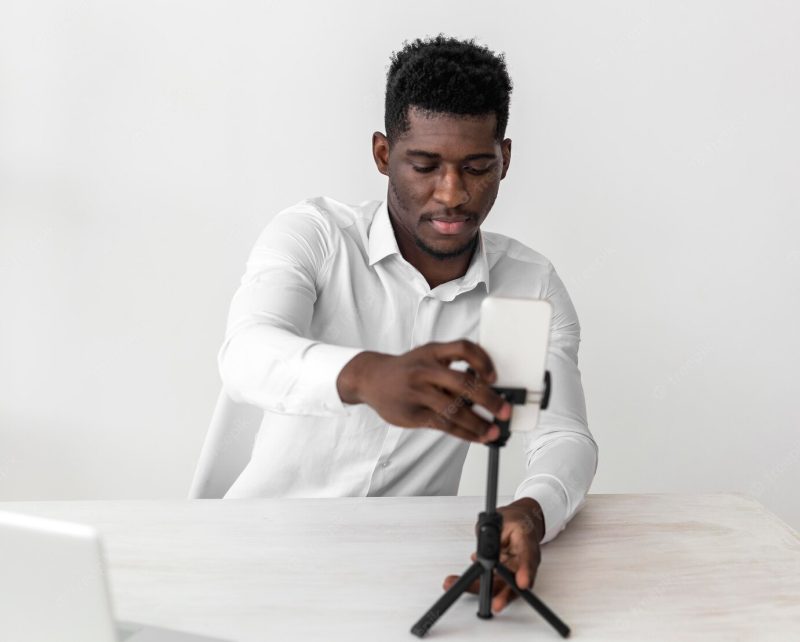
(53, 587)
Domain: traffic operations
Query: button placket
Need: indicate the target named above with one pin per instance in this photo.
(420, 333)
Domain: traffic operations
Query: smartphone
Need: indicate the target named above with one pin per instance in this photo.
(515, 333)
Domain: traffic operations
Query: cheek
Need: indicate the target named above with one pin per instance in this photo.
(483, 198)
(405, 201)
(489, 188)
(412, 191)
(490, 202)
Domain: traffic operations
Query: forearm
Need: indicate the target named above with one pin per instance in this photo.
(275, 369)
(560, 473)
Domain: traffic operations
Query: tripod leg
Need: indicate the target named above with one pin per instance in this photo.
(534, 601)
(485, 595)
(444, 602)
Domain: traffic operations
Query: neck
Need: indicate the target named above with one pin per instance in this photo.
(435, 270)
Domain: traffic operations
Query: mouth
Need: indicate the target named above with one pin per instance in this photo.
(450, 226)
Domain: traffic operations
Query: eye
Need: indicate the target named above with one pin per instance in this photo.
(476, 171)
(424, 170)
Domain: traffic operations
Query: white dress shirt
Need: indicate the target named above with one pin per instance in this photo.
(325, 281)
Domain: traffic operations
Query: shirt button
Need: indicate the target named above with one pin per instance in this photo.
(386, 463)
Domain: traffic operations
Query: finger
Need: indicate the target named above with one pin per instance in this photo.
(432, 419)
(452, 579)
(502, 599)
(472, 389)
(458, 414)
(497, 585)
(438, 415)
(523, 575)
(465, 350)
(527, 559)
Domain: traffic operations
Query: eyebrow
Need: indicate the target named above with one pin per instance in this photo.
(433, 156)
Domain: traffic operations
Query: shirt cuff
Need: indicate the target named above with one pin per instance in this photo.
(322, 363)
(552, 497)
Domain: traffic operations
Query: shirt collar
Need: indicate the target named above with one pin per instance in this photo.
(382, 243)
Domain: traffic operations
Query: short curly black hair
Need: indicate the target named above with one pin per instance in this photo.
(446, 75)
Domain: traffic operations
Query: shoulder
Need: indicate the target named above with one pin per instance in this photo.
(322, 220)
(508, 248)
(518, 270)
(331, 213)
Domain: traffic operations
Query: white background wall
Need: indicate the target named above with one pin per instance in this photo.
(143, 146)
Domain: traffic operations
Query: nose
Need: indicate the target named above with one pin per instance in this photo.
(450, 190)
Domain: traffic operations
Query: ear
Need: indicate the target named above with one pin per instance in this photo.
(380, 152)
(505, 148)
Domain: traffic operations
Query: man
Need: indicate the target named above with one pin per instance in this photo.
(348, 317)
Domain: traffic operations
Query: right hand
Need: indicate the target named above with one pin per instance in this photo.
(419, 389)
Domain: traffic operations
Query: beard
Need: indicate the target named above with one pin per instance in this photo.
(443, 256)
(431, 251)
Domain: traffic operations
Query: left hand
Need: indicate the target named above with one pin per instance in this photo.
(523, 529)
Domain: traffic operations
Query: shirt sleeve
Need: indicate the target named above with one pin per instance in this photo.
(561, 454)
(267, 358)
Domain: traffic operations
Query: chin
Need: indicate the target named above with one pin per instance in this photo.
(445, 249)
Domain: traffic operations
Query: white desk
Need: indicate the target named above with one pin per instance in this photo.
(628, 567)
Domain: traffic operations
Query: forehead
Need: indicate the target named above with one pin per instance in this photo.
(449, 134)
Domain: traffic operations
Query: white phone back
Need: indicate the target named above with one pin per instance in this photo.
(515, 333)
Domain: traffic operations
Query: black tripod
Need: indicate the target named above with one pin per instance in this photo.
(490, 527)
